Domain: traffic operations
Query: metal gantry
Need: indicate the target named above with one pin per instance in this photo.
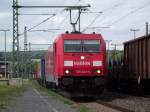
(25, 39)
(25, 57)
(15, 53)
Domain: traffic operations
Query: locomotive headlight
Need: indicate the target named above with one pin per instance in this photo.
(68, 63)
(98, 71)
(67, 71)
(82, 57)
(97, 63)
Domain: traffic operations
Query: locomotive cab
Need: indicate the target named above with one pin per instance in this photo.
(83, 61)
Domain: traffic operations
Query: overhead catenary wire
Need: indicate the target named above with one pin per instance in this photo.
(63, 11)
(130, 13)
(57, 13)
(67, 15)
(93, 12)
(99, 14)
(40, 23)
(35, 14)
(45, 20)
(58, 9)
(65, 18)
(91, 22)
(44, 30)
(115, 6)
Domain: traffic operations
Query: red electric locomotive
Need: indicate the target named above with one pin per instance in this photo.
(77, 62)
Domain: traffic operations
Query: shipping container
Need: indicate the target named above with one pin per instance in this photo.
(43, 78)
(49, 65)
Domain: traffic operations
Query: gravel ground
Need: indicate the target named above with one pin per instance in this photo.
(133, 103)
(94, 107)
(33, 101)
(137, 104)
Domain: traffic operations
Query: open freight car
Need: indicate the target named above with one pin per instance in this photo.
(77, 62)
(137, 61)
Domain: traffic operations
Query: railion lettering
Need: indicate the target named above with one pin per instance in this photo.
(82, 63)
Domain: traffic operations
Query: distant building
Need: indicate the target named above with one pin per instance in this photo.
(2, 69)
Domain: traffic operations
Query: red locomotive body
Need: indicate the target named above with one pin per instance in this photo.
(77, 61)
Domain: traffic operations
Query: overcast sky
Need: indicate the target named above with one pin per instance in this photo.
(119, 15)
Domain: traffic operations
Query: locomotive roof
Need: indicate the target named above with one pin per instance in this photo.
(74, 35)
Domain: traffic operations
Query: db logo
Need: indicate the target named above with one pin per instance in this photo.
(86, 63)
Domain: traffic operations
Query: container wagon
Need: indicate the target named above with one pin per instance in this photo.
(137, 61)
(41, 72)
(77, 62)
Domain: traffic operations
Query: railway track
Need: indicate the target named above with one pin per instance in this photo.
(91, 102)
(118, 108)
(112, 102)
(102, 106)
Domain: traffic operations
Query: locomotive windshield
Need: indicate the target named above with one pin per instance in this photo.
(72, 46)
(91, 46)
(81, 46)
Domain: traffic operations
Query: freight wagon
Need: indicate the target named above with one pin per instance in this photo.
(137, 60)
(76, 62)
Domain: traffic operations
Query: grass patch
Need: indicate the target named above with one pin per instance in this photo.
(65, 100)
(8, 92)
(53, 94)
(82, 108)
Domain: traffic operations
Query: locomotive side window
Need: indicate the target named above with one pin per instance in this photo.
(72, 46)
(91, 46)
